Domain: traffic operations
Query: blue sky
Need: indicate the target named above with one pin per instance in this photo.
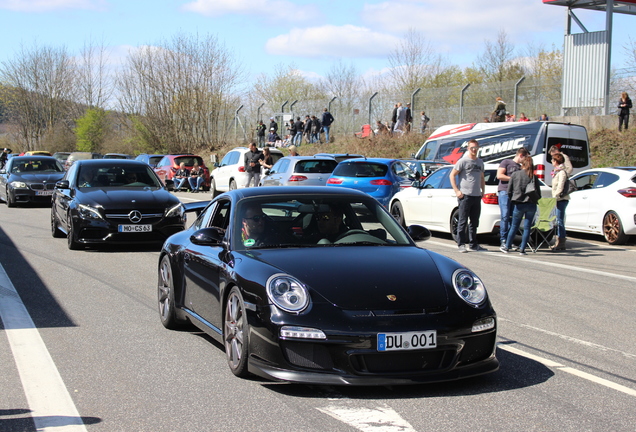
(310, 35)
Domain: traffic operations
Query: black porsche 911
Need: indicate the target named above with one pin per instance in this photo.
(322, 285)
(29, 179)
(103, 201)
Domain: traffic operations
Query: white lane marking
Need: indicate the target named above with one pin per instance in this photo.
(546, 263)
(382, 419)
(572, 371)
(50, 403)
(571, 339)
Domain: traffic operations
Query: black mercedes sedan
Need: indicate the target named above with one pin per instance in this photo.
(113, 201)
(26, 179)
(322, 285)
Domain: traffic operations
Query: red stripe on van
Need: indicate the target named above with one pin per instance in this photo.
(453, 131)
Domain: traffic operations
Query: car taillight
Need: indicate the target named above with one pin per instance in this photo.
(297, 178)
(490, 198)
(334, 181)
(241, 169)
(381, 182)
(629, 192)
(539, 171)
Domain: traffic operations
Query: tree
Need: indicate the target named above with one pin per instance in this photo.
(496, 63)
(94, 83)
(39, 92)
(181, 91)
(91, 130)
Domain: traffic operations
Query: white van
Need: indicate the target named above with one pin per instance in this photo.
(500, 141)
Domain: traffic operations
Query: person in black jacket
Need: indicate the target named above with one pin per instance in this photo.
(253, 165)
(260, 132)
(327, 120)
(624, 105)
(273, 125)
(300, 128)
(307, 129)
(524, 203)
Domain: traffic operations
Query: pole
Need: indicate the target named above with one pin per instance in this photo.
(461, 103)
(517, 95)
(370, 99)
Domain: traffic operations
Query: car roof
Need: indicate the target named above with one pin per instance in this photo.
(291, 191)
(122, 162)
(378, 160)
(314, 157)
(35, 157)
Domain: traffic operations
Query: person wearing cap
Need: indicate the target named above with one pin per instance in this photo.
(272, 137)
(292, 151)
(273, 124)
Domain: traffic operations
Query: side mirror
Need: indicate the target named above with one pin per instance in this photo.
(419, 233)
(3, 171)
(416, 184)
(208, 237)
(268, 172)
(62, 184)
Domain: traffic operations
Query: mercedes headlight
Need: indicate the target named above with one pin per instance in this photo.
(19, 185)
(175, 211)
(469, 287)
(88, 212)
(287, 293)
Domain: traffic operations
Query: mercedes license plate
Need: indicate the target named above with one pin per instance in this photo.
(134, 228)
(407, 341)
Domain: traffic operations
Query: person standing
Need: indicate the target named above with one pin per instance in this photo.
(468, 182)
(624, 105)
(400, 125)
(559, 179)
(253, 165)
(196, 177)
(292, 131)
(505, 170)
(273, 124)
(425, 121)
(180, 176)
(499, 114)
(260, 132)
(524, 203)
(315, 129)
(300, 128)
(553, 150)
(307, 129)
(327, 120)
(267, 162)
(394, 117)
(409, 118)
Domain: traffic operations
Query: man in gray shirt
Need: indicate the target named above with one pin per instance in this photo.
(469, 184)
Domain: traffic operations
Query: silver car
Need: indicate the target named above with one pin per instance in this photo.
(299, 171)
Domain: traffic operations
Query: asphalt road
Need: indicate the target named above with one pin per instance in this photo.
(89, 353)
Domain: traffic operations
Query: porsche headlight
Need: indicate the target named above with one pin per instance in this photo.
(175, 211)
(287, 293)
(469, 287)
(88, 212)
(18, 185)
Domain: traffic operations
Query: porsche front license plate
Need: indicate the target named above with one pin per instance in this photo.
(407, 341)
(134, 228)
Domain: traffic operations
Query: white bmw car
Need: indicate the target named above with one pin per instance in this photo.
(604, 203)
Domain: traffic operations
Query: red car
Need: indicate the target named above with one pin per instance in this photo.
(169, 164)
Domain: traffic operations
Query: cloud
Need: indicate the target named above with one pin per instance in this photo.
(465, 22)
(276, 9)
(332, 41)
(50, 5)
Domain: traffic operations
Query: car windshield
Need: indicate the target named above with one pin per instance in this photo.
(268, 222)
(130, 176)
(361, 169)
(36, 166)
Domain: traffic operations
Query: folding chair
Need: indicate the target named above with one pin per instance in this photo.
(544, 224)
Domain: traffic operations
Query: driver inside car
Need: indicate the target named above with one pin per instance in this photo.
(255, 231)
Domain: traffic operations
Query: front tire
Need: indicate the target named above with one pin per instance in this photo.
(232, 184)
(613, 229)
(165, 296)
(55, 230)
(454, 222)
(10, 199)
(70, 235)
(236, 333)
(213, 188)
(398, 213)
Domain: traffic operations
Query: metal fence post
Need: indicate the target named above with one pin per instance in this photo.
(461, 103)
(370, 99)
(517, 94)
